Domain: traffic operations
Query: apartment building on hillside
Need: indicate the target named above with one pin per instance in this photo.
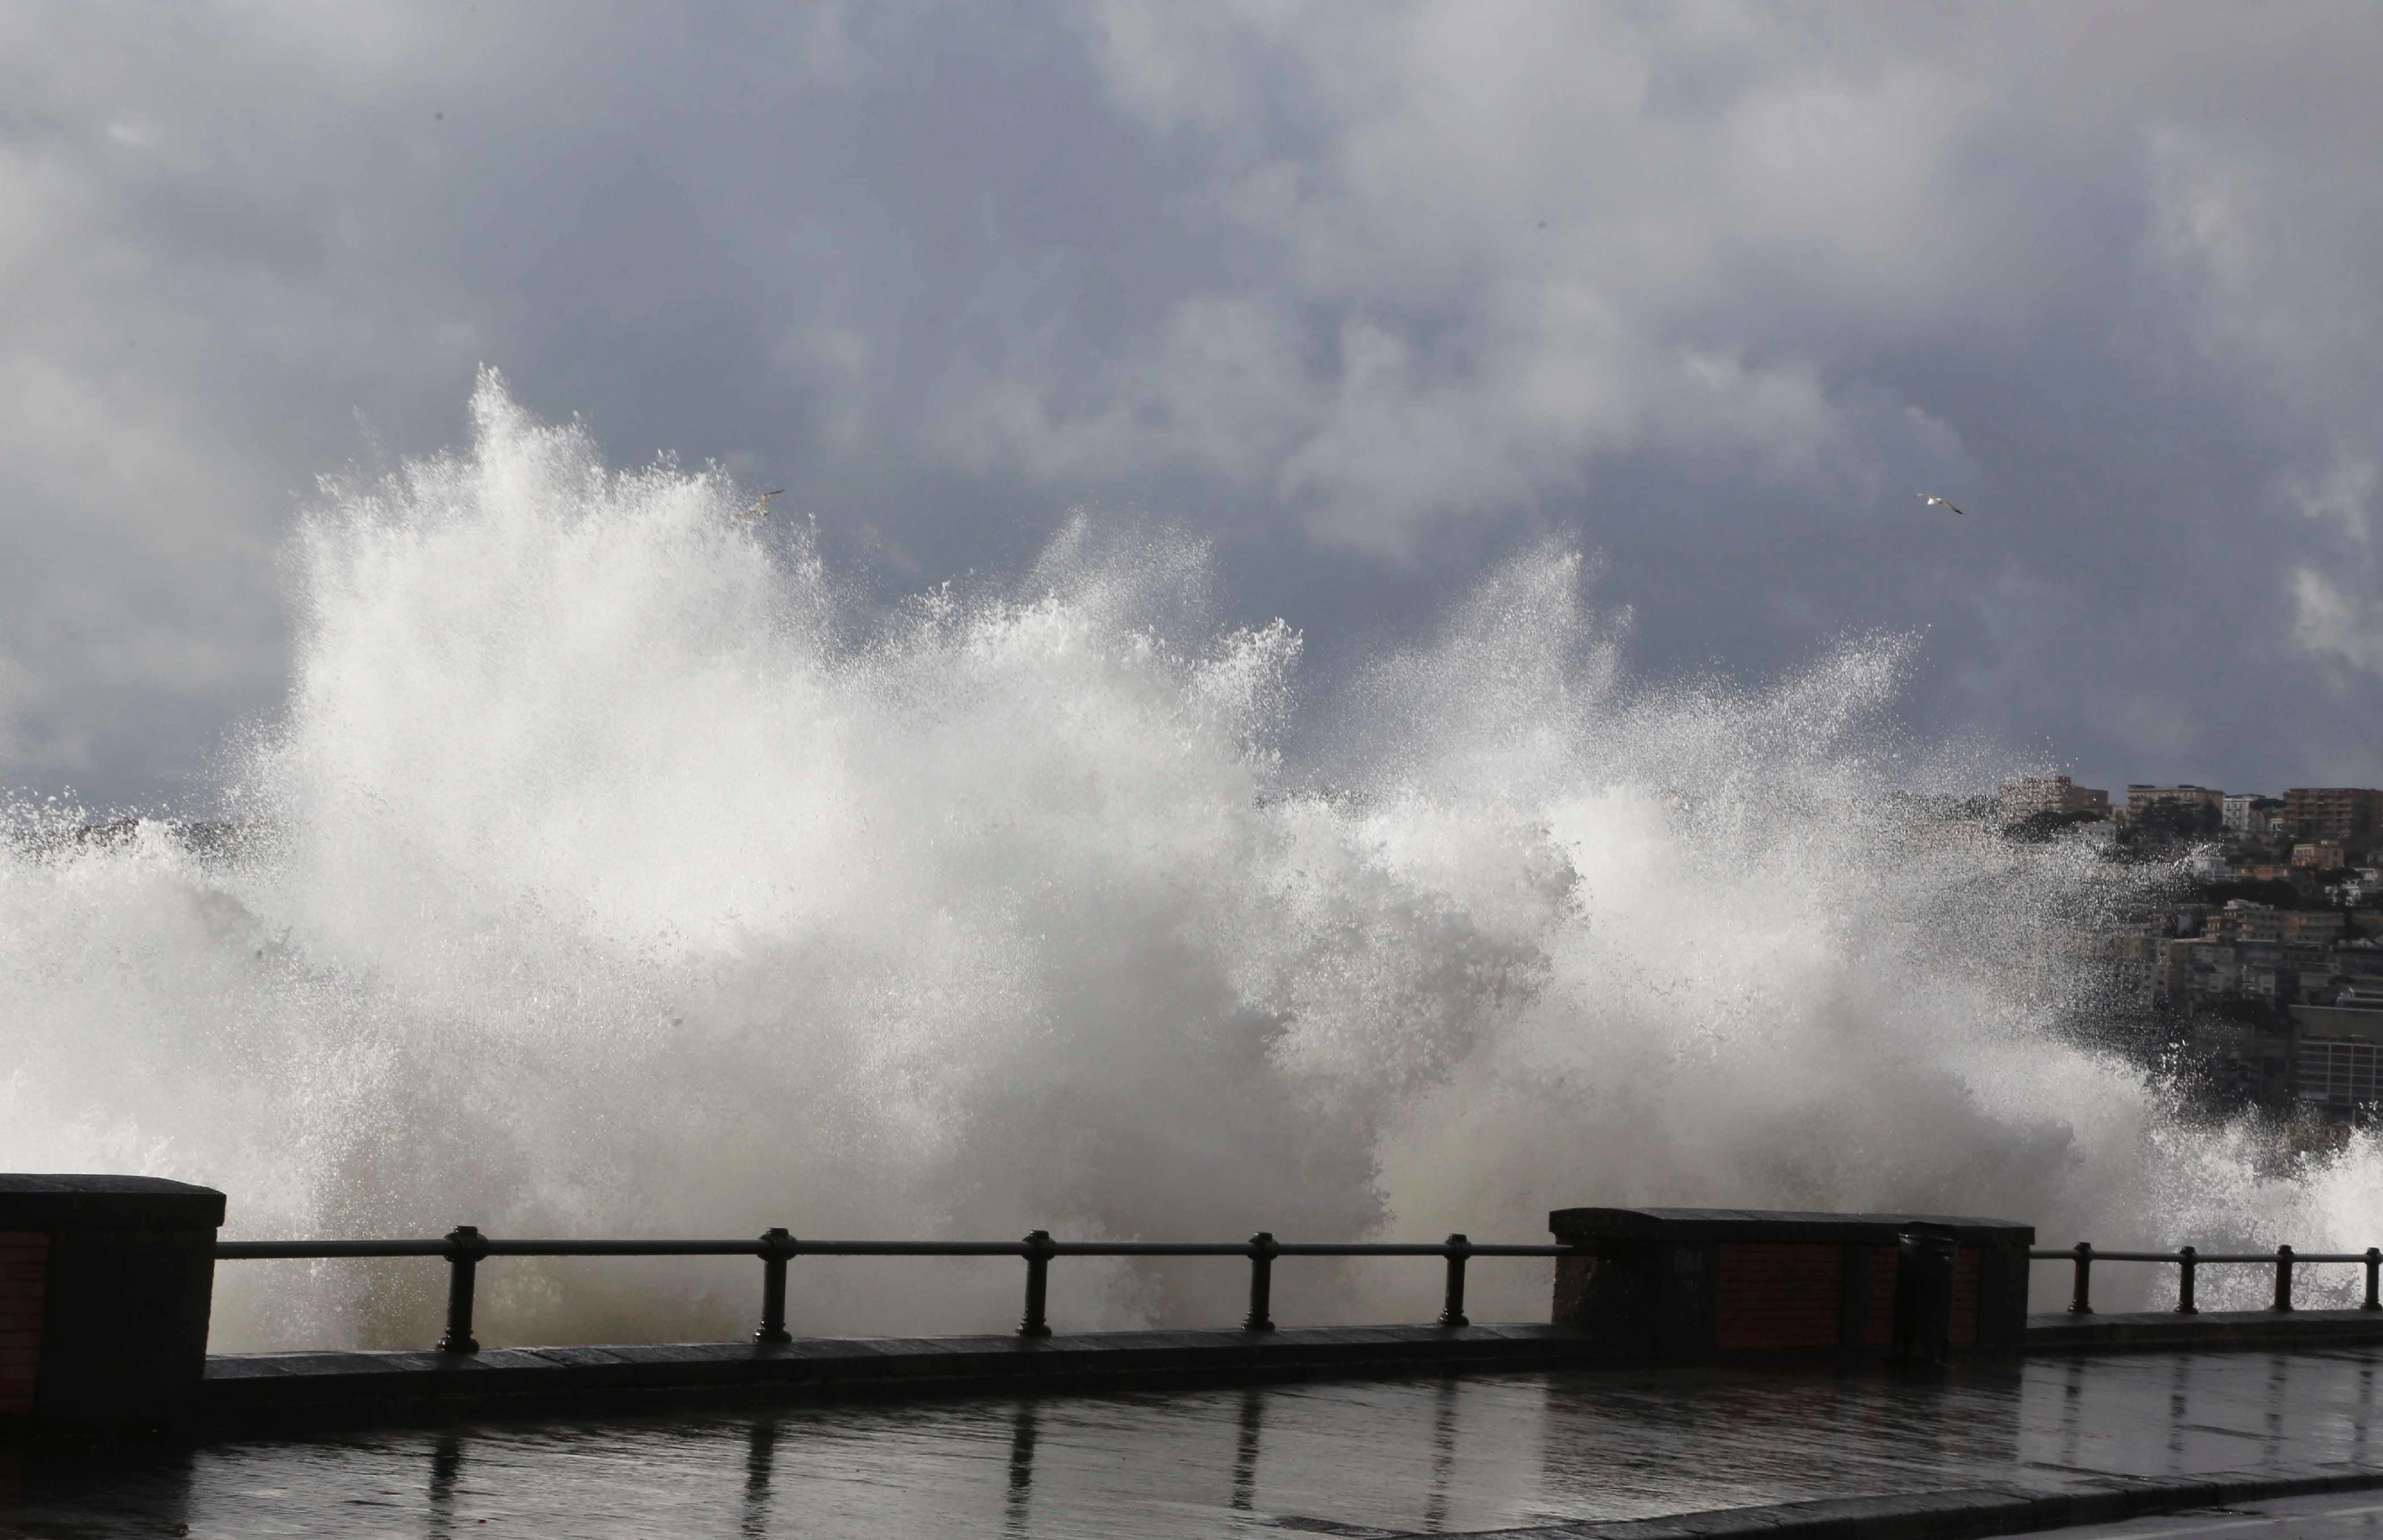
(2031, 795)
(2243, 814)
(2188, 798)
(2336, 814)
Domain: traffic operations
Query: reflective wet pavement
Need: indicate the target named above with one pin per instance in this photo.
(1432, 1456)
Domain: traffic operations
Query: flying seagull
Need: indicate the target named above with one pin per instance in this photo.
(760, 503)
(1933, 500)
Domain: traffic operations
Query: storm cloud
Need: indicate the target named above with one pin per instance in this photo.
(1367, 295)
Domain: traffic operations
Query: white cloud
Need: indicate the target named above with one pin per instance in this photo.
(2273, 255)
(1501, 246)
(1218, 387)
(2343, 494)
(2333, 623)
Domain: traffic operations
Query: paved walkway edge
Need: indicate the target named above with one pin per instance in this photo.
(2212, 1331)
(263, 1389)
(1964, 1512)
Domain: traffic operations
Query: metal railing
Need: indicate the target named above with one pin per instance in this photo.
(2187, 1261)
(464, 1248)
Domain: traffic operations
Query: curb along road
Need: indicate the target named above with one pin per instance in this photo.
(1967, 1511)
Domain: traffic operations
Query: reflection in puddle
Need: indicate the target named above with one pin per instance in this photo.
(760, 1447)
(1245, 1449)
(1016, 1510)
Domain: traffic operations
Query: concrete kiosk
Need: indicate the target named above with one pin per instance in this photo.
(105, 1290)
(1689, 1286)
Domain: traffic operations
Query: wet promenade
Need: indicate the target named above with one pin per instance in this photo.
(1429, 1455)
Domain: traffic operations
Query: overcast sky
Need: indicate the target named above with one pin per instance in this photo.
(1370, 293)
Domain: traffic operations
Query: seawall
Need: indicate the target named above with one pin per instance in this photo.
(281, 1390)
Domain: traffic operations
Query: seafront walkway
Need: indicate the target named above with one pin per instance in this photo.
(1702, 1372)
(1877, 1450)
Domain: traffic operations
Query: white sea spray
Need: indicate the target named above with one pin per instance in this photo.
(609, 872)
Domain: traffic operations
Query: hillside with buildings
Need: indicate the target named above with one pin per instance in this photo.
(2257, 978)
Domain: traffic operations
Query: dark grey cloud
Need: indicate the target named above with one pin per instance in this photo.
(1369, 293)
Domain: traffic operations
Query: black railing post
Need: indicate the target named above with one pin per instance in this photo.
(1035, 1323)
(1262, 1253)
(2081, 1298)
(1451, 1312)
(2374, 1266)
(2283, 1278)
(775, 1247)
(2185, 1261)
(465, 1247)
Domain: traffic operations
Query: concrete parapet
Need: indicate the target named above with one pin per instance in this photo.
(267, 1390)
(104, 1293)
(2210, 1331)
(1692, 1286)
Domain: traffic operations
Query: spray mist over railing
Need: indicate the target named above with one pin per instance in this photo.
(611, 872)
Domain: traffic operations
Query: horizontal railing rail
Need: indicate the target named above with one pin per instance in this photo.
(464, 1248)
(2189, 1261)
